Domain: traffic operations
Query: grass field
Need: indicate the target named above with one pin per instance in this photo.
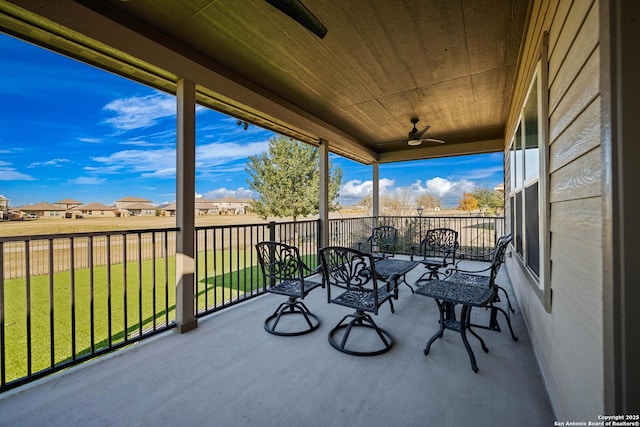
(62, 225)
(61, 311)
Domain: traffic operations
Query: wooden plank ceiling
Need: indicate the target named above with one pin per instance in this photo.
(449, 63)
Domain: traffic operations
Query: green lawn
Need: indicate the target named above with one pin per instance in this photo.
(232, 276)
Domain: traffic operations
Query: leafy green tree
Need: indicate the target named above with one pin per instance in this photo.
(489, 200)
(287, 180)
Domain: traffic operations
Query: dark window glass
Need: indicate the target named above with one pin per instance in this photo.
(518, 222)
(532, 227)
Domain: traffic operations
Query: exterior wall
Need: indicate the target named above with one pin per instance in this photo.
(99, 213)
(568, 339)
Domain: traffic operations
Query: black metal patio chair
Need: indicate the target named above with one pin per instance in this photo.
(466, 294)
(437, 249)
(286, 274)
(481, 278)
(352, 281)
(381, 243)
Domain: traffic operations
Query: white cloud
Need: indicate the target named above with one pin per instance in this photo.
(151, 162)
(10, 174)
(53, 162)
(91, 140)
(217, 153)
(446, 190)
(140, 111)
(355, 190)
(87, 180)
(482, 173)
(238, 193)
(161, 163)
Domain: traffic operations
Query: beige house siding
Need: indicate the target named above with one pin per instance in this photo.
(568, 340)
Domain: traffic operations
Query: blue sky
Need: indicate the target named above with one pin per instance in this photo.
(70, 130)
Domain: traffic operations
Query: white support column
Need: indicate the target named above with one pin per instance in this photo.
(185, 205)
(323, 151)
(375, 196)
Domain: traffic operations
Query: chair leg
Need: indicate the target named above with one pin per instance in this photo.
(292, 306)
(359, 320)
(506, 316)
(500, 288)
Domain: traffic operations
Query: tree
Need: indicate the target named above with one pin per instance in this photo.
(400, 202)
(287, 180)
(489, 200)
(428, 201)
(468, 202)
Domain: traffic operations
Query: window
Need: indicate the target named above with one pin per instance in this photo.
(527, 162)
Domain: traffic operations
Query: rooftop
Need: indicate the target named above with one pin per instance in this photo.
(230, 372)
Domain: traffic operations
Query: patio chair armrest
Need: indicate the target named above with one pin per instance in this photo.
(413, 249)
(451, 271)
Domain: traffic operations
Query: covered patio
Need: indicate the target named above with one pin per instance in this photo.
(552, 84)
(230, 372)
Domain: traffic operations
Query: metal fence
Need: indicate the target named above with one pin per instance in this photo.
(69, 297)
(477, 235)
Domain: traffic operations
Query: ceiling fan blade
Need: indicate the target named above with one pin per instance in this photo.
(439, 141)
(421, 132)
(299, 13)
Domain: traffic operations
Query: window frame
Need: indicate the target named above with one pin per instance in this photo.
(540, 281)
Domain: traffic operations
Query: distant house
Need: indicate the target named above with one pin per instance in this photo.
(231, 205)
(97, 210)
(206, 207)
(42, 210)
(70, 206)
(4, 207)
(67, 203)
(202, 207)
(135, 206)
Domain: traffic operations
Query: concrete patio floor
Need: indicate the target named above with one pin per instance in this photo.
(230, 372)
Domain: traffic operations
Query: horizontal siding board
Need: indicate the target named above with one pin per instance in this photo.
(579, 219)
(580, 137)
(563, 38)
(581, 93)
(574, 59)
(579, 179)
(577, 325)
(559, 20)
(539, 22)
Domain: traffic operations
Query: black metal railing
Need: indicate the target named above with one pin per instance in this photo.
(66, 298)
(227, 270)
(477, 235)
(69, 297)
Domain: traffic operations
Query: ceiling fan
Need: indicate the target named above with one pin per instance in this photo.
(415, 135)
(299, 13)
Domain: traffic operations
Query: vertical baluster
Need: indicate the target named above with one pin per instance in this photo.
(215, 267)
(28, 302)
(72, 295)
(91, 292)
(124, 286)
(153, 279)
(3, 349)
(52, 335)
(109, 308)
(166, 278)
(139, 235)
